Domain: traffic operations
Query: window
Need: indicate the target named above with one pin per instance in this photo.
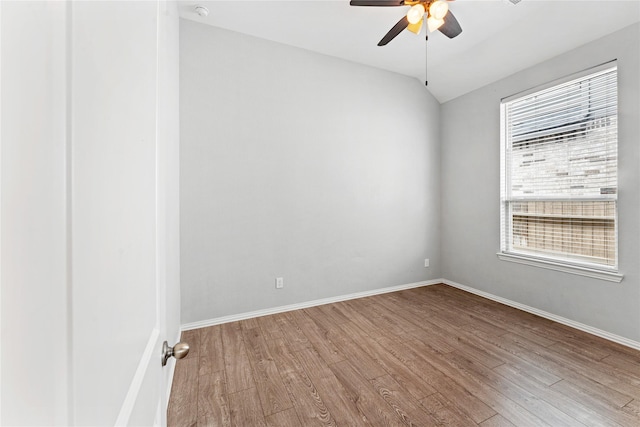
(559, 173)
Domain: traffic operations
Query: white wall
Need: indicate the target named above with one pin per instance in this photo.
(299, 165)
(471, 196)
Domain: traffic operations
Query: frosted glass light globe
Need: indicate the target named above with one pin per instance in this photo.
(434, 23)
(416, 13)
(438, 9)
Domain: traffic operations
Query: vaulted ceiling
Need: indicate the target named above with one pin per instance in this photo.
(498, 39)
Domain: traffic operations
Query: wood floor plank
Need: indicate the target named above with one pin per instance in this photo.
(588, 351)
(245, 409)
(422, 305)
(292, 332)
(623, 363)
(584, 395)
(570, 369)
(236, 362)
(211, 341)
(426, 335)
(183, 405)
(287, 418)
(213, 408)
(477, 347)
(271, 390)
(250, 323)
(320, 318)
(422, 367)
(513, 327)
(371, 404)
(389, 363)
(270, 328)
(308, 404)
(333, 313)
(478, 324)
(628, 382)
(211, 353)
(405, 405)
(530, 370)
(353, 352)
(426, 356)
(210, 364)
(445, 412)
(318, 338)
(348, 348)
(358, 313)
(342, 408)
(633, 408)
(539, 372)
(485, 354)
(438, 328)
(583, 413)
(513, 322)
(398, 325)
(582, 338)
(520, 395)
(442, 307)
(424, 330)
(498, 402)
(497, 421)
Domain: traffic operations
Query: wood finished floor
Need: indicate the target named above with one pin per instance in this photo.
(422, 357)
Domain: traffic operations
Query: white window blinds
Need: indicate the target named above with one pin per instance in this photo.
(559, 171)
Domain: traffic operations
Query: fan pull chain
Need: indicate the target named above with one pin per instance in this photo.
(426, 63)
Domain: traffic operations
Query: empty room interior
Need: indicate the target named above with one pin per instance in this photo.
(301, 213)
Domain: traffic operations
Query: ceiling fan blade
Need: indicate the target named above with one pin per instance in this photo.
(415, 28)
(397, 29)
(376, 3)
(451, 27)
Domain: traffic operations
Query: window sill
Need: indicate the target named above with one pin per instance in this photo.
(566, 268)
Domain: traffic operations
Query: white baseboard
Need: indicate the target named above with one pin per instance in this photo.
(559, 319)
(285, 308)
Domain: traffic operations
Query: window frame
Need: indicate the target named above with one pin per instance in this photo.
(603, 272)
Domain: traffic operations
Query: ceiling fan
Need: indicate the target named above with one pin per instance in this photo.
(437, 12)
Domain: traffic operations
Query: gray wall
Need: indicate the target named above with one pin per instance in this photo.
(471, 196)
(299, 165)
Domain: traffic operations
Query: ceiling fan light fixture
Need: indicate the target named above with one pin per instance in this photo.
(438, 9)
(416, 13)
(433, 24)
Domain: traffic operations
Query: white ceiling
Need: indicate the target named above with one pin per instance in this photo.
(498, 38)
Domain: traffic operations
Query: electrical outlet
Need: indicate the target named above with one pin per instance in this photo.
(279, 282)
(426, 262)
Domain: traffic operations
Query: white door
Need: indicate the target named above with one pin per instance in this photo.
(89, 198)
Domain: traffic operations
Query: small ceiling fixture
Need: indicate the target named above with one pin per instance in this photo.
(439, 17)
(201, 11)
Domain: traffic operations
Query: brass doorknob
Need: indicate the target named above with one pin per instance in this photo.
(178, 351)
